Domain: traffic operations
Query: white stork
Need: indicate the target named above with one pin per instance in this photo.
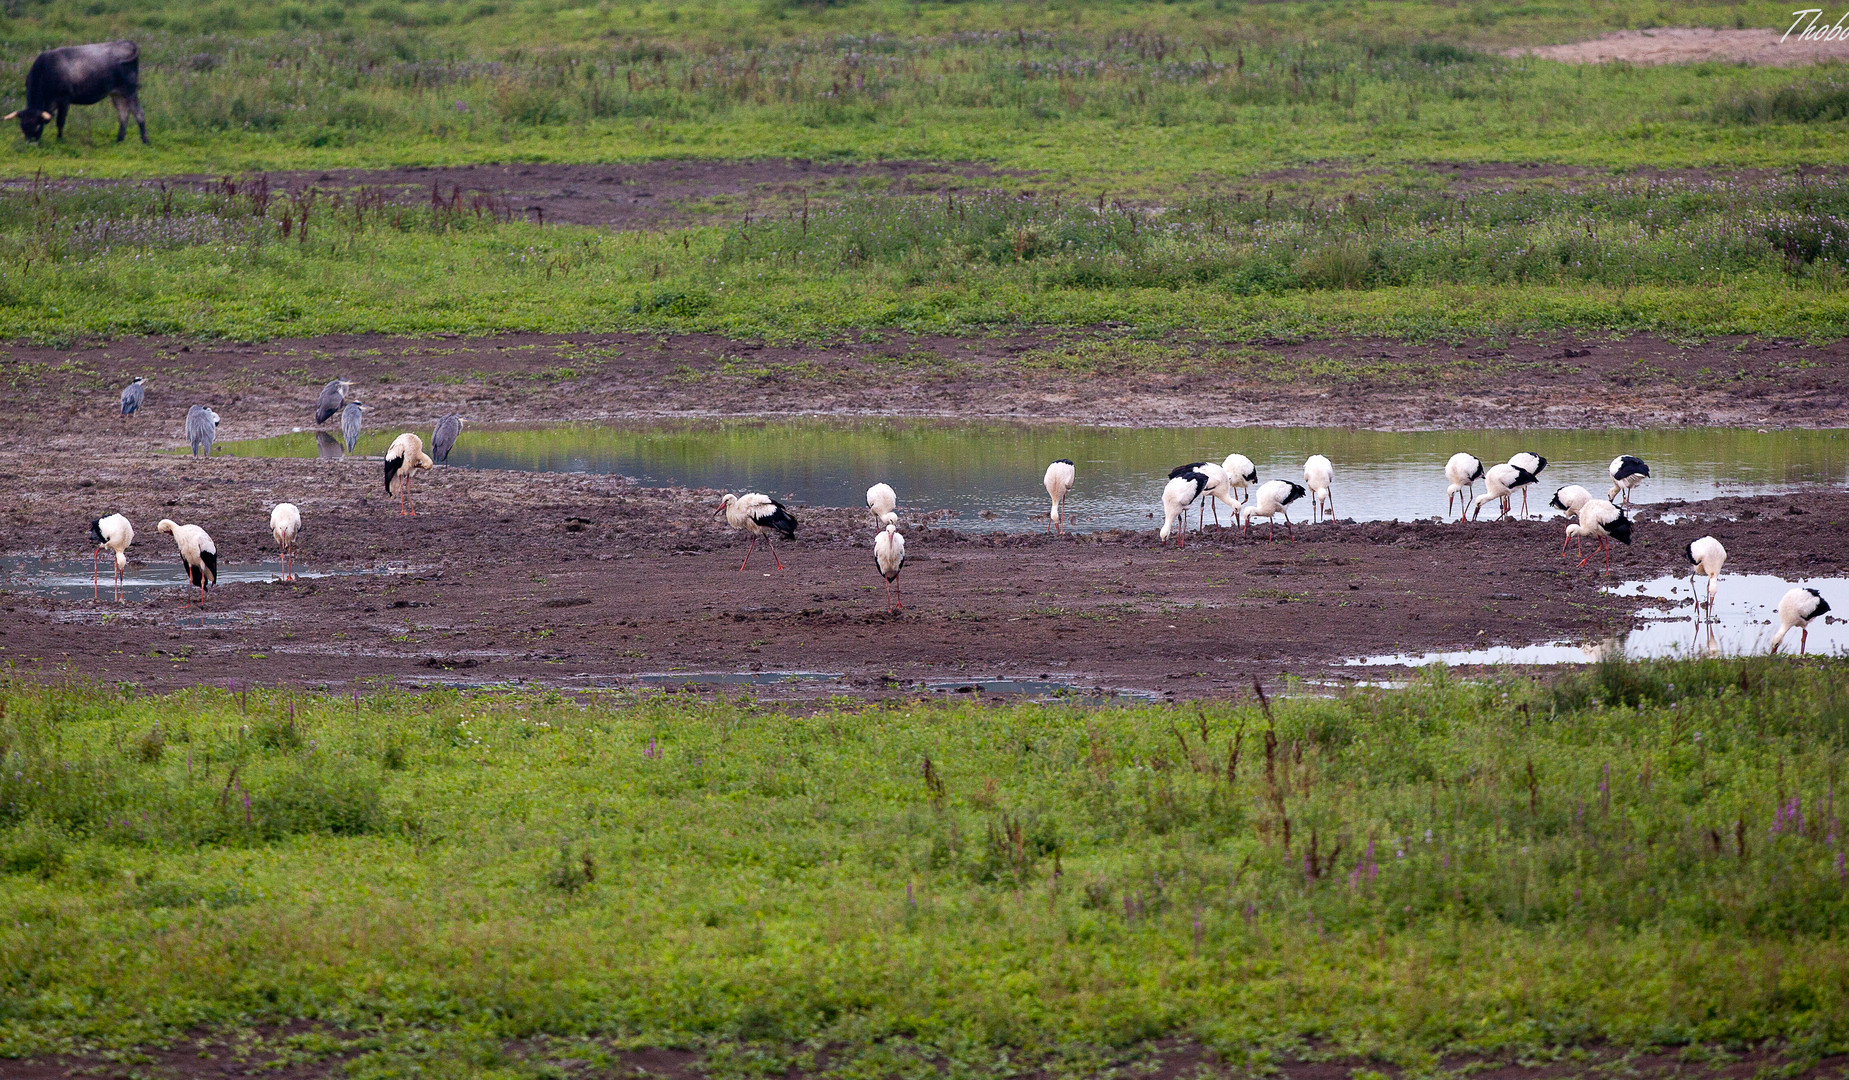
(197, 551)
(1463, 470)
(285, 523)
(1626, 473)
(1706, 556)
(405, 457)
(1218, 489)
(889, 557)
(1177, 496)
(1604, 521)
(759, 515)
(115, 533)
(1796, 609)
(1318, 474)
(1568, 500)
(1241, 474)
(1058, 481)
(1499, 482)
(1270, 500)
(1533, 464)
(884, 502)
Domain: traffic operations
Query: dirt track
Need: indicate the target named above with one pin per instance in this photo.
(586, 580)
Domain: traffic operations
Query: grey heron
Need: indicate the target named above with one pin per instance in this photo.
(333, 396)
(285, 523)
(758, 515)
(405, 457)
(115, 533)
(133, 395)
(201, 429)
(197, 551)
(350, 418)
(443, 439)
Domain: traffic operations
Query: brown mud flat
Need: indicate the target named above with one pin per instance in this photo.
(668, 193)
(586, 581)
(268, 1054)
(1093, 376)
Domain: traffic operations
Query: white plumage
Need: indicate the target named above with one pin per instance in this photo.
(116, 534)
(1271, 499)
(1568, 501)
(1217, 488)
(1796, 609)
(889, 557)
(402, 461)
(285, 523)
(1627, 471)
(1059, 477)
(197, 551)
(1500, 482)
(1318, 475)
(1241, 474)
(1463, 471)
(1532, 464)
(1177, 496)
(884, 502)
(1604, 522)
(758, 515)
(1707, 556)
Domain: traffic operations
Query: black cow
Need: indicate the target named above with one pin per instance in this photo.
(83, 75)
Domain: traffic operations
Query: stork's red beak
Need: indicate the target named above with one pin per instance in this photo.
(721, 509)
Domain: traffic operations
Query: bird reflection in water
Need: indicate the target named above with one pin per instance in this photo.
(328, 448)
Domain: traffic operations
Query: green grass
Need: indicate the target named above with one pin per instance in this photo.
(1638, 856)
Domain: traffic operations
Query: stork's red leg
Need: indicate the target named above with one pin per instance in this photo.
(773, 552)
(749, 548)
(95, 561)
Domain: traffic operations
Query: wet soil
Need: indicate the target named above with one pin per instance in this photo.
(587, 581)
(645, 195)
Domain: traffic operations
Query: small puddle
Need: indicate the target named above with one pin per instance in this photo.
(1036, 689)
(734, 678)
(988, 475)
(1745, 618)
(69, 579)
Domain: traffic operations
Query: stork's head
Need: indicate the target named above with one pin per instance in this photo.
(167, 526)
(121, 560)
(725, 502)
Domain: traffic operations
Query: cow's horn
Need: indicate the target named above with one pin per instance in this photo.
(46, 115)
(14, 115)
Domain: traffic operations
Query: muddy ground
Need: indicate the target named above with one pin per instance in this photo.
(585, 581)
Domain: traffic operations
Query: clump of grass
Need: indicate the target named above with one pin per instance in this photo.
(1808, 102)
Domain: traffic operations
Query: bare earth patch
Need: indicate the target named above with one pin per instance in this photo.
(1685, 45)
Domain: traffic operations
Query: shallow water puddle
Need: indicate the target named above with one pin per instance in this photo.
(989, 474)
(1745, 618)
(69, 579)
(1036, 689)
(735, 678)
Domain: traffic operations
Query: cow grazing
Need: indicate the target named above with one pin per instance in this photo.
(82, 75)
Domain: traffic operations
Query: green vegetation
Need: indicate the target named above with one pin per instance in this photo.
(1642, 855)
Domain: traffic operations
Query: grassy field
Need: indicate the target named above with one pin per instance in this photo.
(1142, 142)
(1637, 855)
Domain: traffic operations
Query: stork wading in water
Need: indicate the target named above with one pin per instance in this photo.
(1605, 522)
(1318, 476)
(758, 515)
(1796, 609)
(1271, 499)
(1706, 556)
(889, 558)
(1059, 477)
(1241, 474)
(1499, 482)
(1627, 471)
(116, 534)
(285, 525)
(198, 553)
(1463, 471)
(1218, 489)
(1177, 496)
(1568, 500)
(333, 398)
(1533, 464)
(402, 461)
(884, 503)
